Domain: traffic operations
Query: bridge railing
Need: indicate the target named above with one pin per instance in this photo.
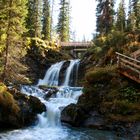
(129, 66)
(75, 44)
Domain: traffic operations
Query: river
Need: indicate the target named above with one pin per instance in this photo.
(48, 125)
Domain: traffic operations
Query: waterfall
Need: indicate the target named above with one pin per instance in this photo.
(48, 126)
(52, 75)
(64, 97)
(70, 70)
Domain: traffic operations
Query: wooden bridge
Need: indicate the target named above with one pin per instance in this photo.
(130, 66)
(75, 48)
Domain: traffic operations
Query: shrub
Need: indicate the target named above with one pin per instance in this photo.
(100, 74)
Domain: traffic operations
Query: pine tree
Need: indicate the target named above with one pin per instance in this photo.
(120, 23)
(136, 10)
(46, 29)
(104, 13)
(131, 18)
(33, 21)
(63, 27)
(12, 19)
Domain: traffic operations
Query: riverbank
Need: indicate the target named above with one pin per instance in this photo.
(109, 102)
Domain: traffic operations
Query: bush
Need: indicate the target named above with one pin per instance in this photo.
(100, 74)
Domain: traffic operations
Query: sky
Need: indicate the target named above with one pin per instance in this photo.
(83, 18)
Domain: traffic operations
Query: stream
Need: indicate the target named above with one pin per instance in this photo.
(48, 125)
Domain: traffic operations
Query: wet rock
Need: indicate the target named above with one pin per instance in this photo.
(73, 115)
(95, 121)
(18, 110)
(49, 91)
(63, 72)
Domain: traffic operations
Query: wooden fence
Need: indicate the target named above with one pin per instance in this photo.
(128, 66)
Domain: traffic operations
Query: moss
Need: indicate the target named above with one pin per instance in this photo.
(100, 74)
(3, 88)
(7, 101)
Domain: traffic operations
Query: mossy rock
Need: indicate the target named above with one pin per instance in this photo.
(7, 101)
(101, 74)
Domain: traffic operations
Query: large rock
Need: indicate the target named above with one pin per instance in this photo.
(73, 115)
(49, 91)
(18, 110)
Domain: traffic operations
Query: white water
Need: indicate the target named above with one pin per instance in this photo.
(69, 71)
(52, 75)
(48, 126)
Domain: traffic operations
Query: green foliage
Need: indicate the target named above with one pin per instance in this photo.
(46, 29)
(39, 45)
(100, 74)
(63, 27)
(33, 20)
(12, 24)
(130, 94)
(136, 10)
(104, 15)
(117, 99)
(120, 23)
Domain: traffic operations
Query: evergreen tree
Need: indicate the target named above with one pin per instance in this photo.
(33, 21)
(120, 23)
(12, 19)
(131, 18)
(46, 29)
(136, 10)
(104, 13)
(63, 27)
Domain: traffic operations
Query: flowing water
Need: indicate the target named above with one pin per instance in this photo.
(70, 70)
(48, 125)
(52, 75)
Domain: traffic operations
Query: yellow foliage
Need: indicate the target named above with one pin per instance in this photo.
(7, 101)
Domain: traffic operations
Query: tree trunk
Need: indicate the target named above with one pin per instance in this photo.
(7, 43)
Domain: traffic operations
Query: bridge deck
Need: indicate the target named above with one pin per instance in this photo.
(129, 67)
(75, 44)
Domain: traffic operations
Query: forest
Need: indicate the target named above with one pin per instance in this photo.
(43, 85)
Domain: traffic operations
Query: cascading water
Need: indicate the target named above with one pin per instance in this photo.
(69, 71)
(49, 126)
(52, 75)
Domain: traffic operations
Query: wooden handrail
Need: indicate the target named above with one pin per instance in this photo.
(130, 63)
(128, 57)
(129, 66)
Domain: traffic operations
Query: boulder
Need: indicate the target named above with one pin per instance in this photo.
(73, 115)
(49, 91)
(18, 110)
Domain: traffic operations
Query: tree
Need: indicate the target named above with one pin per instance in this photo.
(120, 23)
(33, 21)
(131, 18)
(46, 29)
(12, 23)
(136, 10)
(104, 13)
(63, 27)
(133, 21)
